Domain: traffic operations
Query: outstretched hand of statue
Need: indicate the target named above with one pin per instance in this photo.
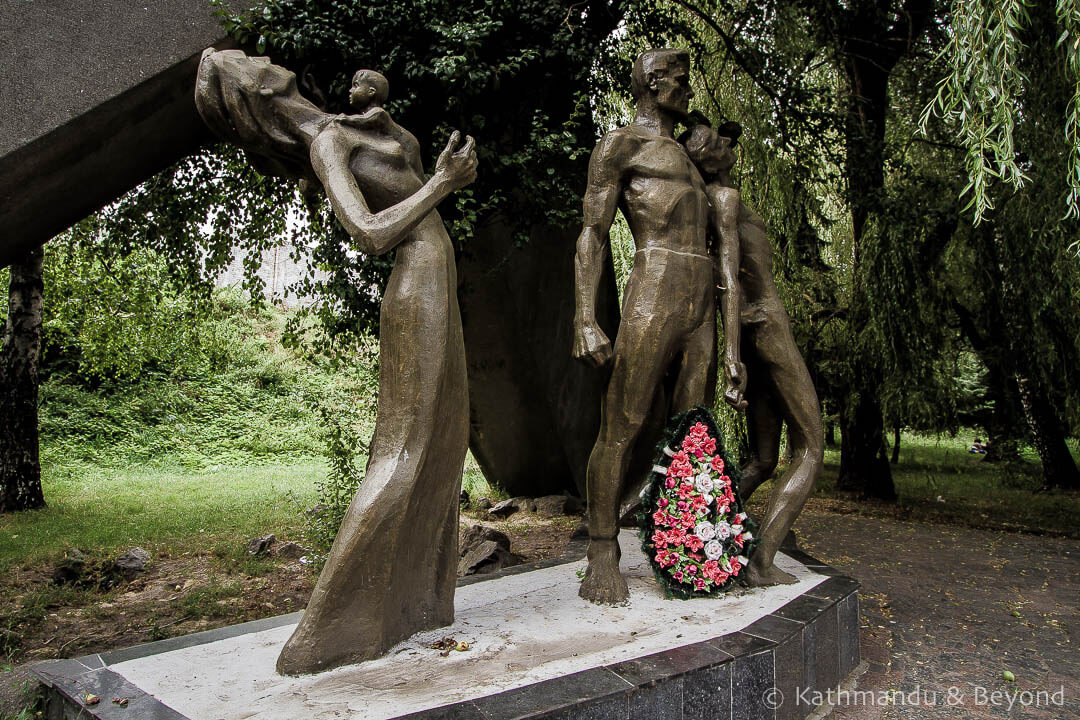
(457, 167)
(592, 345)
(736, 384)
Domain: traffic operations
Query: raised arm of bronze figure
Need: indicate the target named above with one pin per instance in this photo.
(375, 233)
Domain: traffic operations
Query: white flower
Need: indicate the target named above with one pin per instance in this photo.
(736, 529)
(747, 536)
(723, 530)
(703, 483)
(705, 531)
(708, 498)
(741, 517)
(743, 560)
(713, 550)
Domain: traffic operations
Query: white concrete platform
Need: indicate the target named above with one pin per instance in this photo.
(521, 629)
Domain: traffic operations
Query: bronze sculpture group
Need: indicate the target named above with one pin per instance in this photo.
(391, 571)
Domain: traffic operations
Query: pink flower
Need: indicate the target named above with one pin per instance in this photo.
(680, 465)
(678, 575)
(736, 566)
(664, 502)
(699, 584)
(670, 483)
(694, 543)
(660, 518)
(665, 558)
(718, 464)
(659, 540)
(692, 569)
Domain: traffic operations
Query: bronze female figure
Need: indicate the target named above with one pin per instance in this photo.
(392, 569)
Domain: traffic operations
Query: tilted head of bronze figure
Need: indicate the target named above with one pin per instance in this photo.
(369, 89)
(663, 74)
(712, 151)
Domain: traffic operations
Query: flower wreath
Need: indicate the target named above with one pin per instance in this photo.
(693, 527)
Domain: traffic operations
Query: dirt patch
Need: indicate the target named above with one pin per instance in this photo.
(533, 537)
(174, 596)
(182, 594)
(948, 610)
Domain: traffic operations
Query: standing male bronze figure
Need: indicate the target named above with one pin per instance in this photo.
(669, 313)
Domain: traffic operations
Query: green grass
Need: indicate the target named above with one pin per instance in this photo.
(938, 479)
(474, 482)
(253, 401)
(205, 602)
(100, 508)
(188, 457)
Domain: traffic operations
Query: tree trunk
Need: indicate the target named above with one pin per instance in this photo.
(20, 355)
(1004, 427)
(863, 463)
(895, 445)
(1048, 435)
(830, 433)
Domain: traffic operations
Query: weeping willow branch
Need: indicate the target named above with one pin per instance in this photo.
(980, 96)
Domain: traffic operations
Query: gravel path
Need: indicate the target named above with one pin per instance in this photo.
(947, 610)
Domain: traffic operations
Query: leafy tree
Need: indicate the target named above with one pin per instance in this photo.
(1019, 294)
(107, 294)
(516, 76)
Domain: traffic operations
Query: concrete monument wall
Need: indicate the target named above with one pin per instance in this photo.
(96, 97)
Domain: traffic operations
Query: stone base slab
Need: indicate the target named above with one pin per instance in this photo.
(536, 651)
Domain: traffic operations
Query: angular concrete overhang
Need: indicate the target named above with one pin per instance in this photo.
(95, 97)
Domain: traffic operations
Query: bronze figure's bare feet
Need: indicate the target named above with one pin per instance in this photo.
(756, 576)
(603, 583)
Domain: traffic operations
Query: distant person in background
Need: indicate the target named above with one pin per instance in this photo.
(978, 447)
